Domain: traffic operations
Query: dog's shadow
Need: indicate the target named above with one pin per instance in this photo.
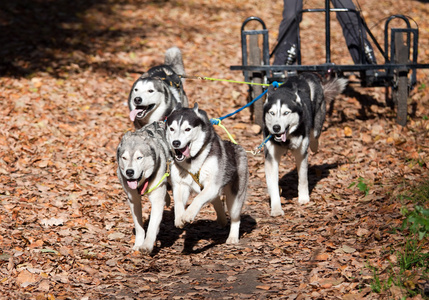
(199, 230)
(289, 181)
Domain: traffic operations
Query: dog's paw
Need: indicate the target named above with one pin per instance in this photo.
(146, 249)
(189, 215)
(303, 200)
(179, 224)
(275, 212)
(187, 218)
(232, 240)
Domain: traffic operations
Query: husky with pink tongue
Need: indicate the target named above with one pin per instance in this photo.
(208, 166)
(293, 116)
(157, 92)
(143, 157)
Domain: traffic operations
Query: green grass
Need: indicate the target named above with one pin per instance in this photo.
(412, 256)
(362, 184)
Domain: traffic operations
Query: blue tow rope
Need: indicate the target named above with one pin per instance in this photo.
(216, 121)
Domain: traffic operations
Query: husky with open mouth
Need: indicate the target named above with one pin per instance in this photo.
(293, 115)
(157, 92)
(143, 157)
(208, 166)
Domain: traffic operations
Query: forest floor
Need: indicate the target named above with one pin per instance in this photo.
(66, 232)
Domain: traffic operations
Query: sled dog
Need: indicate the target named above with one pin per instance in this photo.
(143, 157)
(206, 165)
(157, 92)
(294, 114)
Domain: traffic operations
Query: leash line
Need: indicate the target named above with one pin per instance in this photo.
(258, 149)
(167, 173)
(225, 80)
(219, 123)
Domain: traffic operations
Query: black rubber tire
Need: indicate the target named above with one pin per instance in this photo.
(256, 77)
(400, 91)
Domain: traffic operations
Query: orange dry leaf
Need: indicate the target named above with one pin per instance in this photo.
(348, 132)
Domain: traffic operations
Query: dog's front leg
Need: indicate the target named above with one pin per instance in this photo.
(207, 195)
(157, 200)
(180, 195)
(134, 201)
(272, 160)
(301, 158)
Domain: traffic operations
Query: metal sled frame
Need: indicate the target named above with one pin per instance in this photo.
(393, 74)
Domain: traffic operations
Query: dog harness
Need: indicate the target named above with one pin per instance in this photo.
(196, 178)
(167, 173)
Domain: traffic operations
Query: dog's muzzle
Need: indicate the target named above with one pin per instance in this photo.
(280, 137)
(180, 154)
(140, 111)
(131, 182)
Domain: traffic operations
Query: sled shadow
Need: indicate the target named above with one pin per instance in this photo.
(198, 231)
(364, 112)
(289, 182)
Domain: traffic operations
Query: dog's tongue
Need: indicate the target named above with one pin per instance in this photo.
(284, 137)
(134, 113)
(132, 184)
(145, 184)
(186, 152)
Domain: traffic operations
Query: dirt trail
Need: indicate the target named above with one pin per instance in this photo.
(65, 227)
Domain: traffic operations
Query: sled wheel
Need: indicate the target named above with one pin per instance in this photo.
(400, 89)
(255, 59)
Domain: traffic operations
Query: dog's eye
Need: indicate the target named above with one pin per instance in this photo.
(151, 91)
(272, 113)
(285, 113)
(188, 129)
(136, 90)
(171, 129)
(140, 158)
(124, 158)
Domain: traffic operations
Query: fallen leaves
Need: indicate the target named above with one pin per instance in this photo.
(65, 226)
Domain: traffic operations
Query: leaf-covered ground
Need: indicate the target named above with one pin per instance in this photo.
(65, 228)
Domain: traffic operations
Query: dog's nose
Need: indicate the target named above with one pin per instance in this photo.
(276, 128)
(176, 143)
(129, 172)
(138, 100)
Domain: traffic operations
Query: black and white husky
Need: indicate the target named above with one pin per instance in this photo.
(206, 165)
(157, 92)
(142, 158)
(294, 114)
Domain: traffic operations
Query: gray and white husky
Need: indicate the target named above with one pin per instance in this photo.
(294, 114)
(142, 158)
(157, 92)
(206, 165)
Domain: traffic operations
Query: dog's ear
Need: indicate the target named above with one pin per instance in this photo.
(295, 87)
(271, 89)
(196, 107)
(126, 135)
(145, 75)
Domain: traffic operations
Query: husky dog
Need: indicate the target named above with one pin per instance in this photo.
(294, 114)
(207, 165)
(157, 92)
(142, 158)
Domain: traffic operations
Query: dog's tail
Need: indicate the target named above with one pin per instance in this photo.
(333, 87)
(173, 58)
